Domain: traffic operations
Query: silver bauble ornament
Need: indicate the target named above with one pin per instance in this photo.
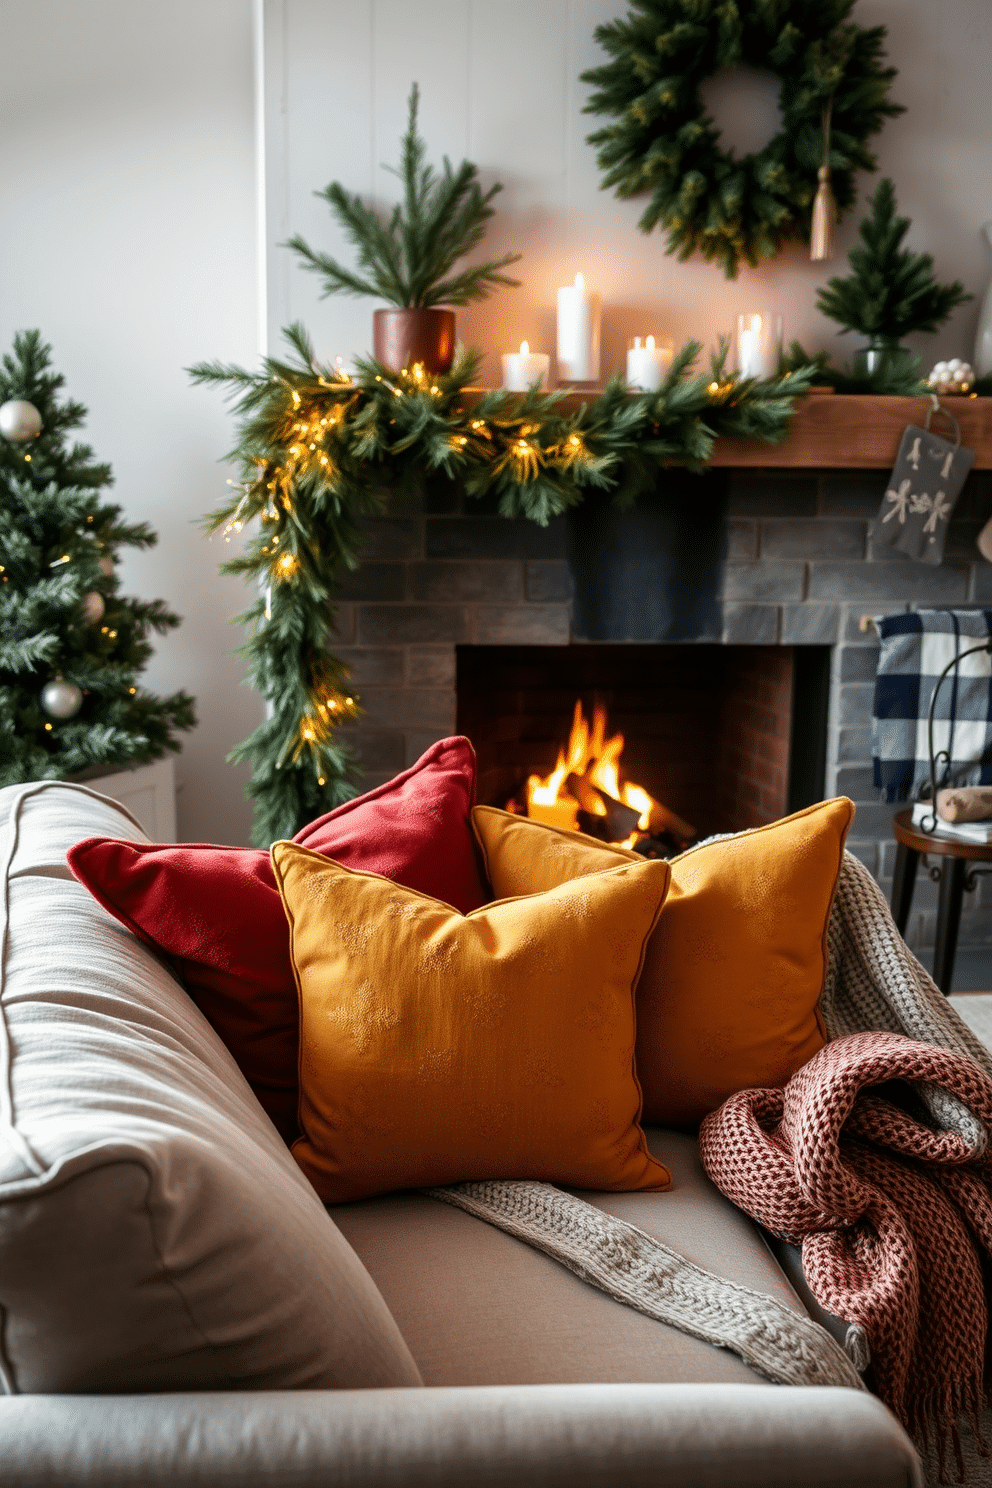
(107, 566)
(19, 420)
(94, 607)
(61, 699)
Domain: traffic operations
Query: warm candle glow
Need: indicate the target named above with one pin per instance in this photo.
(649, 343)
(580, 281)
(525, 348)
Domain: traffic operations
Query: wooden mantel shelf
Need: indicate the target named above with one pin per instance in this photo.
(855, 431)
(843, 431)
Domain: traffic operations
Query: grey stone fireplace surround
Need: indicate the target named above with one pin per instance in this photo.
(775, 557)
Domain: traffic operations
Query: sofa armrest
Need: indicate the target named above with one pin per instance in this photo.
(555, 1436)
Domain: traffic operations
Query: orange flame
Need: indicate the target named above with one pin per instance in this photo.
(595, 758)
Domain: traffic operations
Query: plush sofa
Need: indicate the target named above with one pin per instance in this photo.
(177, 1307)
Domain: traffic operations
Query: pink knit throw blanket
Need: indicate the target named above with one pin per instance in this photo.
(894, 1217)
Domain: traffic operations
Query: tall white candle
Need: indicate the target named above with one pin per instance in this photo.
(578, 332)
(522, 369)
(647, 365)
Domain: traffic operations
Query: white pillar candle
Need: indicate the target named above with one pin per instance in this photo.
(522, 369)
(759, 345)
(578, 333)
(647, 365)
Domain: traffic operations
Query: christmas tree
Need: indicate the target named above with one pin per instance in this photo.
(890, 291)
(71, 647)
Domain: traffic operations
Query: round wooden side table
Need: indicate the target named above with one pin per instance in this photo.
(952, 874)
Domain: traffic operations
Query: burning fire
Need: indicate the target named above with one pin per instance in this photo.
(584, 791)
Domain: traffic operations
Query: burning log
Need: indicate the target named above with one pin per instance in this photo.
(584, 793)
(600, 814)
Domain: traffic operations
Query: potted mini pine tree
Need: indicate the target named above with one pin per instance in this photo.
(890, 293)
(71, 645)
(407, 257)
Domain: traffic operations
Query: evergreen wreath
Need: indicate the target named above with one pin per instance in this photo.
(727, 208)
(318, 451)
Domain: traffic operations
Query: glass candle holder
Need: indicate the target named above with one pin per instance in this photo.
(759, 344)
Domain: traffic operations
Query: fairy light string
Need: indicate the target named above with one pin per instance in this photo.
(320, 450)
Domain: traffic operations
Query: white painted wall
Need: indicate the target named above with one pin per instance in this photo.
(500, 86)
(128, 189)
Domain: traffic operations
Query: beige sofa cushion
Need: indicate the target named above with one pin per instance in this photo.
(507, 1314)
(155, 1234)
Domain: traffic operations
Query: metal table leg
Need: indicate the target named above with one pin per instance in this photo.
(952, 877)
(903, 882)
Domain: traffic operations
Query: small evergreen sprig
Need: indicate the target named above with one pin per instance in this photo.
(318, 452)
(406, 258)
(891, 291)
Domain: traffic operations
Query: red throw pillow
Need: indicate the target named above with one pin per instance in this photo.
(216, 915)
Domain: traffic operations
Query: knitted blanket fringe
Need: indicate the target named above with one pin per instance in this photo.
(873, 984)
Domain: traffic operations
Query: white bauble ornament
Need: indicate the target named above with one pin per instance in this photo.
(94, 607)
(107, 565)
(19, 420)
(954, 376)
(61, 699)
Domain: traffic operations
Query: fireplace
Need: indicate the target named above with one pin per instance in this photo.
(784, 562)
(727, 737)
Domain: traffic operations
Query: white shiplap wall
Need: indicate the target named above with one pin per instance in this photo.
(500, 84)
(128, 175)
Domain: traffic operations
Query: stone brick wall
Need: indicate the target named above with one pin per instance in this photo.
(800, 569)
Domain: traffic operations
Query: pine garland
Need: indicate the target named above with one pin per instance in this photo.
(55, 539)
(662, 142)
(318, 452)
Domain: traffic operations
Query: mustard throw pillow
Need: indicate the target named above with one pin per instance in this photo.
(734, 970)
(437, 1047)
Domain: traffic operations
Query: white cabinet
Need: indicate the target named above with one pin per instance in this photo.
(148, 792)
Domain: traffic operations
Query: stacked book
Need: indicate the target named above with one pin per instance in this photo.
(972, 831)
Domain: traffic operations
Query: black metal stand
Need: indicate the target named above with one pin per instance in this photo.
(929, 823)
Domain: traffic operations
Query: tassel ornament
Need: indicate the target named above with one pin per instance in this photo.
(821, 238)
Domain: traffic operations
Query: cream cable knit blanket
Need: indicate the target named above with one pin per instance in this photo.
(873, 983)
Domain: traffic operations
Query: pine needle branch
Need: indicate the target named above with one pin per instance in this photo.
(405, 257)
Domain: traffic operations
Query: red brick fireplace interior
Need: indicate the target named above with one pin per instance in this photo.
(728, 737)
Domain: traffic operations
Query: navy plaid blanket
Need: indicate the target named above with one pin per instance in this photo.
(916, 647)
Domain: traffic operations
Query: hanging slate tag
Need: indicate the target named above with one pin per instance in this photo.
(921, 493)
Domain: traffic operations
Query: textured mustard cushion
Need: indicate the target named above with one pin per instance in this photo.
(733, 973)
(438, 1047)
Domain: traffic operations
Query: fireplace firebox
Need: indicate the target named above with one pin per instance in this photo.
(727, 737)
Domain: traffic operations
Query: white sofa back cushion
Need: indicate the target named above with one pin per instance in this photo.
(155, 1234)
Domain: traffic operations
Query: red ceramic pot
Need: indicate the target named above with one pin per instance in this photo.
(402, 337)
